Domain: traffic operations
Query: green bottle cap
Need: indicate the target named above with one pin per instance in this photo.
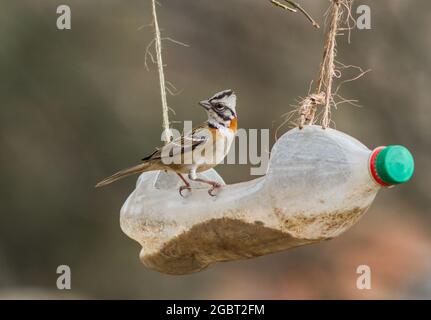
(395, 164)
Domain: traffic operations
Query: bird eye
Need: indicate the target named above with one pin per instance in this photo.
(219, 106)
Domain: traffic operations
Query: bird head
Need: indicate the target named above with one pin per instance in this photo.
(221, 107)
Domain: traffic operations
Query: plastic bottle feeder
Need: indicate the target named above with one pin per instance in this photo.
(319, 183)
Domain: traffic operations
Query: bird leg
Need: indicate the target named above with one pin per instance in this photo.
(186, 185)
(215, 185)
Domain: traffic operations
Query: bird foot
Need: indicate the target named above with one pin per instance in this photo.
(214, 190)
(182, 188)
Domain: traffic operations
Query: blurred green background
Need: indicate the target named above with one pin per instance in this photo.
(77, 105)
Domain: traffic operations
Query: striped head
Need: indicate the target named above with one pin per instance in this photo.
(221, 108)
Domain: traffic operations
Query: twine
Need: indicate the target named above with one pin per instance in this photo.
(162, 82)
(324, 95)
(327, 71)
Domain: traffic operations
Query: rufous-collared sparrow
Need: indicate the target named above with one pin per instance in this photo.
(201, 149)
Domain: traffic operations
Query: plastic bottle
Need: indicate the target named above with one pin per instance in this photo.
(319, 183)
(330, 175)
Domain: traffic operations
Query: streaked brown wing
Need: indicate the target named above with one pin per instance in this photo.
(185, 143)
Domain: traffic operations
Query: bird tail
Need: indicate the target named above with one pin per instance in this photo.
(124, 173)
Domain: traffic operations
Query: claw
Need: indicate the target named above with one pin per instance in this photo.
(182, 188)
(215, 187)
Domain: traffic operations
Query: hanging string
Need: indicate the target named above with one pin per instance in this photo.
(328, 64)
(158, 46)
(324, 95)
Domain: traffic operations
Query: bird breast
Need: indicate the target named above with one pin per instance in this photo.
(213, 152)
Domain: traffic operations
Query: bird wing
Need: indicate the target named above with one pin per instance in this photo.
(183, 144)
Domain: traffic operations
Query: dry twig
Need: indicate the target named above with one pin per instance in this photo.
(294, 7)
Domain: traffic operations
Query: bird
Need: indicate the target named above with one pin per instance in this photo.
(199, 150)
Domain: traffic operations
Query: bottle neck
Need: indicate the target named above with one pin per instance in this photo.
(373, 167)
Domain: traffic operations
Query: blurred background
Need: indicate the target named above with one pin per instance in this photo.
(76, 105)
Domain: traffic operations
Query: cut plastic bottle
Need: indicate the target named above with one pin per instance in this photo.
(319, 183)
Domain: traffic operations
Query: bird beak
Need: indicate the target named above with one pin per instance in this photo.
(206, 104)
